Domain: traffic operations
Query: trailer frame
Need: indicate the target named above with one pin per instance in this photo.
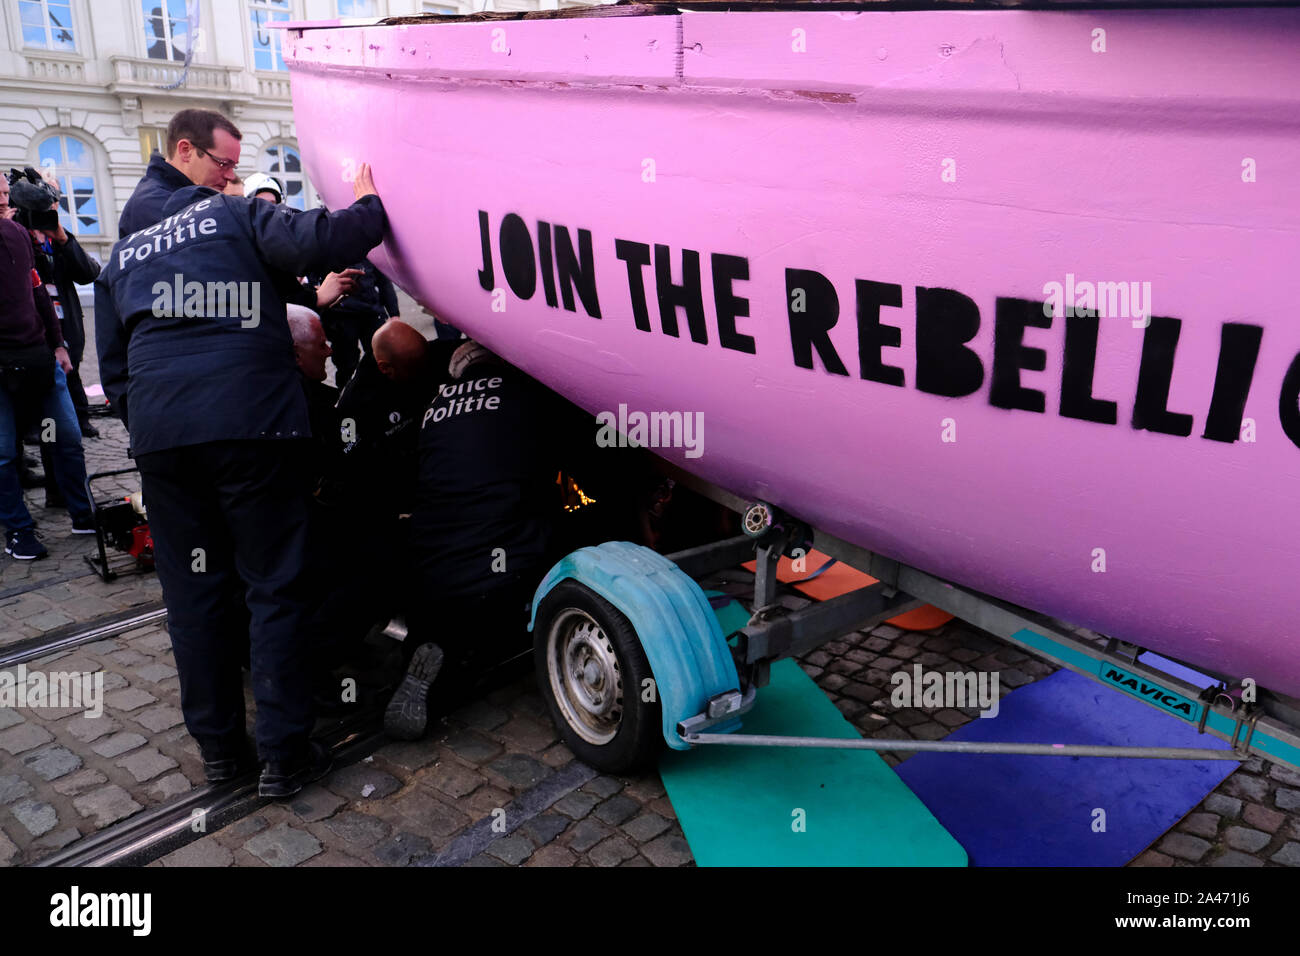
(1267, 726)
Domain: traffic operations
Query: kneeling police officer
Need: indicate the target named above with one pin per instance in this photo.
(196, 355)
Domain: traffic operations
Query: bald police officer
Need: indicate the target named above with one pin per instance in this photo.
(196, 354)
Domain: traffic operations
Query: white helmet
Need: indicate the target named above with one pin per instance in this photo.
(260, 182)
(468, 353)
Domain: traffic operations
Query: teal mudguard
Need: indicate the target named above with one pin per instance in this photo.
(683, 641)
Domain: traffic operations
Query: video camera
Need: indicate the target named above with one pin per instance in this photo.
(32, 198)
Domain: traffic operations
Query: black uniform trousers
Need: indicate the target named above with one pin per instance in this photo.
(477, 632)
(244, 504)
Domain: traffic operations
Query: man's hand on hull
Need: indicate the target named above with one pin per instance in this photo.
(364, 184)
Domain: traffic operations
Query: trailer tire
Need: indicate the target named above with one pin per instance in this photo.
(594, 676)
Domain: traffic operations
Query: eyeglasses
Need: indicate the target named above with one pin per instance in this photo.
(221, 163)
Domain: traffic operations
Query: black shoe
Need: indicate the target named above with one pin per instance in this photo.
(222, 768)
(407, 713)
(84, 524)
(30, 479)
(284, 779)
(24, 545)
(88, 430)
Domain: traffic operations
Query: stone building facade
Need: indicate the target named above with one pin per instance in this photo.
(87, 87)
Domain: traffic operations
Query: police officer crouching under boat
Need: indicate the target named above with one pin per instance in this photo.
(483, 531)
(211, 396)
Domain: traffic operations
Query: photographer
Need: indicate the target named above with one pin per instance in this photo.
(63, 266)
(32, 387)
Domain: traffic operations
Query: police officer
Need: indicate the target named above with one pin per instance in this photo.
(262, 186)
(202, 150)
(212, 399)
(482, 533)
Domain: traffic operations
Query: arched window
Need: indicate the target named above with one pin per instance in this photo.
(72, 165)
(284, 163)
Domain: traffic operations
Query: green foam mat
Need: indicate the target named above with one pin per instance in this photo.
(738, 805)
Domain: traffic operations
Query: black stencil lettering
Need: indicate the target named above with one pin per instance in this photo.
(1150, 412)
(945, 321)
(872, 336)
(1010, 354)
(548, 267)
(577, 271)
(688, 295)
(517, 257)
(1288, 406)
(637, 257)
(1080, 365)
(1238, 352)
(486, 278)
(808, 328)
(726, 270)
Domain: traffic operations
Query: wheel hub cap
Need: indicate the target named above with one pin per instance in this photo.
(585, 676)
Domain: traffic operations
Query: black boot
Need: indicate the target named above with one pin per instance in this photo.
(223, 764)
(407, 713)
(281, 779)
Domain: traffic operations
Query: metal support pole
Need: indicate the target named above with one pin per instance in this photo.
(963, 747)
(765, 580)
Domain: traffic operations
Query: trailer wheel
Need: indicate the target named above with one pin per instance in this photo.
(593, 672)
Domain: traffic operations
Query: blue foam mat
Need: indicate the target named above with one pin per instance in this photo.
(1039, 811)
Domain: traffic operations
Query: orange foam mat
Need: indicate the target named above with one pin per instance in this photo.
(839, 579)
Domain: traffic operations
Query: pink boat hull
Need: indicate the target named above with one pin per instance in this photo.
(989, 153)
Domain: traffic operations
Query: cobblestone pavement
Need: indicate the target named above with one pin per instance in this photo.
(64, 774)
(37, 597)
(491, 785)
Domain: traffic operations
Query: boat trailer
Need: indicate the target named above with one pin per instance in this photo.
(706, 681)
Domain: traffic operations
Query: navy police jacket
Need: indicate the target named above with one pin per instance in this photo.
(190, 321)
(488, 457)
(145, 207)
